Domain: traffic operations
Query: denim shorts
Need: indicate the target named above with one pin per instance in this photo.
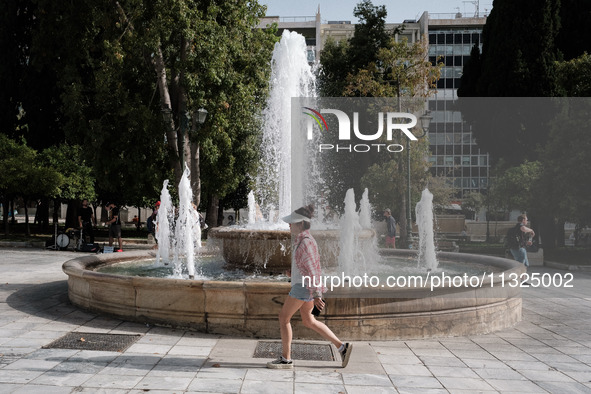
(298, 291)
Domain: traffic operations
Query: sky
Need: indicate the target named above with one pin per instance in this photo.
(398, 10)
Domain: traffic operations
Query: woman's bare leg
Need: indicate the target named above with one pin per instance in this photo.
(310, 321)
(290, 307)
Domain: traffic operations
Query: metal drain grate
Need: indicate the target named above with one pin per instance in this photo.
(299, 351)
(94, 341)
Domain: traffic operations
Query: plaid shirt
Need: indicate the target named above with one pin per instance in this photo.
(307, 261)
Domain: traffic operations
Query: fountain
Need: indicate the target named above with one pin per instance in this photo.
(266, 241)
(424, 211)
(250, 307)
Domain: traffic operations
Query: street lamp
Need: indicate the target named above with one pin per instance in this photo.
(202, 115)
(425, 121)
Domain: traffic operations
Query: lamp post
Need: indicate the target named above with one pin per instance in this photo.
(201, 116)
(425, 120)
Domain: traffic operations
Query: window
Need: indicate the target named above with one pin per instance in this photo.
(457, 38)
(432, 39)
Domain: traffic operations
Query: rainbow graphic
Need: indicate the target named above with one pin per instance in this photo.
(317, 117)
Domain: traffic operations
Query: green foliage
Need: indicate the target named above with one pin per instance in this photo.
(471, 74)
(401, 70)
(575, 29)
(28, 105)
(519, 49)
(333, 73)
(441, 190)
(518, 59)
(567, 164)
(386, 181)
(104, 52)
(574, 76)
(349, 56)
(23, 173)
(370, 35)
(77, 180)
(472, 202)
(515, 187)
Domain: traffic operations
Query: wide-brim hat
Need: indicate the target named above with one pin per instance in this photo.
(295, 218)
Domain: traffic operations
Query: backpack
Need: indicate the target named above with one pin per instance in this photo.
(513, 237)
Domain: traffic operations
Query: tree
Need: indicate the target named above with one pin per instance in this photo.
(346, 57)
(370, 35)
(518, 58)
(574, 28)
(402, 70)
(567, 164)
(470, 74)
(515, 187)
(472, 203)
(29, 107)
(77, 178)
(114, 57)
(23, 175)
(574, 76)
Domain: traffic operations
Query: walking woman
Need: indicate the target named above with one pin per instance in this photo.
(303, 296)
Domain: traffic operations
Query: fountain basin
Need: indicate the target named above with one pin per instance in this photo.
(250, 249)
(251, 308)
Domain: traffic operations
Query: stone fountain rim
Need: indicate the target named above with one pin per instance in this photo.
(246, 233)
(84, 267)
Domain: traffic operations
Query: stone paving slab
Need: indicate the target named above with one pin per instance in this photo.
(548, 352)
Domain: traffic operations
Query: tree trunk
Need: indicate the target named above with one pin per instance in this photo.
(166, 108)
(5, 209)
(56, 205)
(403, 225)
(545, 228)
(559, 231)
(27, 228)
(212, 210)
(72, 214)
(139, 218)
(44, 214)
(13, 219)
(195, 173)
(220, 215)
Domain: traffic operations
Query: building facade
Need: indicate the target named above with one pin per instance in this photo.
(455, 156)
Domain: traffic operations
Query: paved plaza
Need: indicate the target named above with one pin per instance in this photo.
(549, 351)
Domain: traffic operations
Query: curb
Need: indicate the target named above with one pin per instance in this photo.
(41, 244)
(23, 244)
(567, 267)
